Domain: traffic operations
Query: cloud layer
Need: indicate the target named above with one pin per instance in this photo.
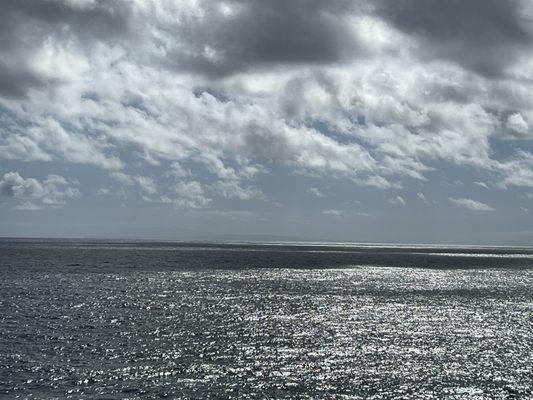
(210, 95)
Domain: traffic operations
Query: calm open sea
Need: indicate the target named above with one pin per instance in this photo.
(139, 320)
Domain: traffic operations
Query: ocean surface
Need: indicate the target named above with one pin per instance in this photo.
(145, 320)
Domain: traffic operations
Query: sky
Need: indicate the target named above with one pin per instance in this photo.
(405, 121)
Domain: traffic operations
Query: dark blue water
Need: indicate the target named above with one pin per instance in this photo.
(117, 320)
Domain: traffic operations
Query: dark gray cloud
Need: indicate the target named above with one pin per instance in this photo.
(15, 82)
(239, 35)
(482, 35)
(25, 25)
(258, 33)
(102, 19)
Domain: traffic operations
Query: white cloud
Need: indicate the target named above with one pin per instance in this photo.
(518, 170)
(397, 201)
(27, 206)
(333, 212)
(146, 184)
(518, 125)
(471, 204)
(177, 171)
(422, 197)
(123, 178)
(53, 191)
(232, 189)
(14, 185)
(190, 194)
(315, 192)
(46, 139)
(343, 213)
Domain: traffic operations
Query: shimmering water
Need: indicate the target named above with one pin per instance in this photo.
(139, 321)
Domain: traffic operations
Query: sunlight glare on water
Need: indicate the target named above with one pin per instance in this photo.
(355, 332)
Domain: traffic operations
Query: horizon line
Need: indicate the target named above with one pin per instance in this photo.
(295, 243)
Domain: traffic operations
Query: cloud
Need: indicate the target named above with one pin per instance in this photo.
(517, 170)
(146, 184)
(221, 38)
(397, 201)
(377, 94)
(333, 212)
(471, 204)
(483, 35)
(190, 194)
(232, 189)
(481, 184)
(517, 125)
(26, 26)
(27, 206)
(178, 171)
(315, 192)
(343, 213)
(43, 138)
(14, 185)
(52, 191)
(123, 178)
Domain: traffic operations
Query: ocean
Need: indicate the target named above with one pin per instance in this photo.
(90, 319)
